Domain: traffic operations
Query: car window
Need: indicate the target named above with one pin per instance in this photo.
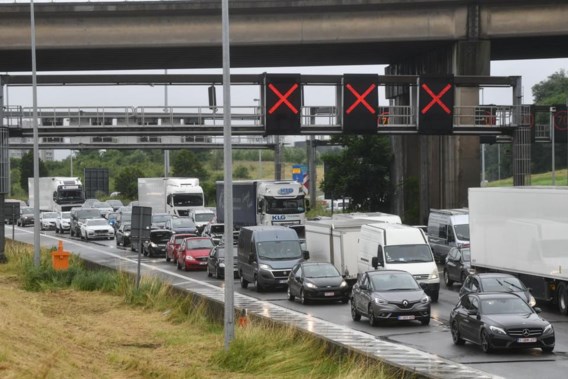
(443, 231)
(394, 282)
(504, 306)
(320, 271)
(502, 284)
(365, 281)
(474, 303)
(474, 285)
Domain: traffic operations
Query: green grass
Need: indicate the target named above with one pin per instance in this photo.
(543, 179)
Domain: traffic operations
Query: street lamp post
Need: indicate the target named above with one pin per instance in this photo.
(37, 257)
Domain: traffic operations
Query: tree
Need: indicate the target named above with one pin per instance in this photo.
(127, 182)
(360, 171)
(187, 164)
(27, 169)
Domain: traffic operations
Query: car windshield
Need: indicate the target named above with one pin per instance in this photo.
(275, 250)
(66, 215)
(179, 239)
(182, 223)
(462, 232)
(126, 228)
(504, 306)
(399, 281)
(27, 211)
(408, 254)
(157, 219)
(101, 205)
(284, 206)
(160, 237)
(96, 222)
(221, 252)
(218, 229)
(49, 215)
(188, 200)
(204, 217)
(502, 284)
(320, 271)
(203, 243)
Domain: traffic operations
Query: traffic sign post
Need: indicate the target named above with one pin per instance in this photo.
(435, 105)
(360, 103)
(141, 225)
(282, 99)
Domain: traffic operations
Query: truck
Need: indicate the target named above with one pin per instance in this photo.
(265, 202)
(57, 193)
(176, 196)
(335, 241)
(523, 231)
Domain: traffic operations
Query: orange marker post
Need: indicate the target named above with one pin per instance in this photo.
(60, 258)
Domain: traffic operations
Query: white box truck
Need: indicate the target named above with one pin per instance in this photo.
(57, 193)
(335, 241)
(176, 196)
(399, 247)
(523, 231)
(371, 217)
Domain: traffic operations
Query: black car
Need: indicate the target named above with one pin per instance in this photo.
(214, 231)
(458, 265)
(216, 262)
(123, 235)
(496, 282)
(311, 281)
(389, 295)
(181, 225)
(26, 216)
(500, 321)
(156, 245)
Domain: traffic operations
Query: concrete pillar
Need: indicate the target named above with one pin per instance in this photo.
(4, 167)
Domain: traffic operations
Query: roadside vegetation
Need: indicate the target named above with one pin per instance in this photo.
(96, 324)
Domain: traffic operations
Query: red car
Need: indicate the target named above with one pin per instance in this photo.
(173, 245)
(193, 253)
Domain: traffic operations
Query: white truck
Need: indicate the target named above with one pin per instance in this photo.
(335, 241)
(57, 194)
(523, 231)
(265, 202)
(176, 196)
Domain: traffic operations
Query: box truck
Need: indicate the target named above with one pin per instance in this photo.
(176, 196)
(57, 194)
(263, 202)
(523, 231)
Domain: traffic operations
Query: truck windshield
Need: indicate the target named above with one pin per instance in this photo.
(408, 254)
(275, 250)
(284, 206)
(188, 200)
(70, 194)
(462, 232)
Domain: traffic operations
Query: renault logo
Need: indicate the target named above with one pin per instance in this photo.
(405, 303)
(526, 332)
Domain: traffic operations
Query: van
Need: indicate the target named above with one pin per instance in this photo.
(266, 255)
(399, 247)
(371, 217)
(447, 228)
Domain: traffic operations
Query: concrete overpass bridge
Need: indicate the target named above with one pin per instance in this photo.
(413, 37)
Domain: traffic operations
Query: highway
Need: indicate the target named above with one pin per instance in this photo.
(434, 339)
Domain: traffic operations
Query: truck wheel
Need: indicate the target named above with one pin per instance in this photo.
(244, 282)
(447, 279)
(562, 295)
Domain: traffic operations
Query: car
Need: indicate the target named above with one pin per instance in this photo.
(96, 228)
(500, 320)
(216, 232)
(103, 207)
(193, 253)
(384, 295)
(63, 222)
(458, 265)
(181, 225)
(313, 281)
(123, 235)
(26, 216)
(496, 282)
(78, 217)
(216, 262)
(47, 220)
(155, 246)
(115, 204)
(202, 217)
(173, 245)
(89, 203)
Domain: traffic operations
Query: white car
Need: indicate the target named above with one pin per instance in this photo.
(96, 228)
(47, 220)
(63, 222)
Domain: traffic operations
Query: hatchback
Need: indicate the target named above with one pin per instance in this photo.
(311, 281)
(193, 253)
(496, 282)
(216, 262)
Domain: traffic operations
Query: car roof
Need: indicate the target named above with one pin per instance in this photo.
(316, 264)
(384, 272)
(496, 295)
(493, 275)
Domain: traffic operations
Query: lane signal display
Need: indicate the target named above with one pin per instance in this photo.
(360, 103)
(436, 105)
(282, 99)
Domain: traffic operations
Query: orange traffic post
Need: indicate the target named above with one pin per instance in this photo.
(243, 319)
(60, 258)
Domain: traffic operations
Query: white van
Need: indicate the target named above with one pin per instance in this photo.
(371, 217)
(447, 228)
(399, 247)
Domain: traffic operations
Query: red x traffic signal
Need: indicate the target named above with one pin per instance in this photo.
(282, 103)
(360, 103)
(435, 105)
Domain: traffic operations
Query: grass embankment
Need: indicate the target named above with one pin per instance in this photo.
(96, 324)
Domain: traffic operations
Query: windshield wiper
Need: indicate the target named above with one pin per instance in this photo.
(513, 285)
(401, 289)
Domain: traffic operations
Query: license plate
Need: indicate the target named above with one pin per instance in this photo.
(526, 340)
(282, 281)
(202, 263)
(409, 317)
(329, 293)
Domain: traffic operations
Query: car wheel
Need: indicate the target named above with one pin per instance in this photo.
(56, 230)
(425, 321)
(209, 272)
(345, 300)
(562, 296)
(290, 296)
(435, 296)
(485, 344)
(302, 297)
(462, 277)
(371, 316)
(217, 273)
(456, 334)
(355, 315)
(244, 282)
(169, 259)
(257, 285)
(447, 279)
(547, 349)
(117, 242)
(178, 265)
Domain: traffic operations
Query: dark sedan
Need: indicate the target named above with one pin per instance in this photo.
(458, 265)
(123, 235)
(311, 281)
(496, 282)
(216, 262)
(500, 321)
(389, 295)
(156, 245)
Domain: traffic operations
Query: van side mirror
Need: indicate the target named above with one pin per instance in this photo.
(308, 207)
(251, 258)
(375, 262)
(306, 254)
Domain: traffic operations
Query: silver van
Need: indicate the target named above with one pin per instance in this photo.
(447, 228)
(266, 255)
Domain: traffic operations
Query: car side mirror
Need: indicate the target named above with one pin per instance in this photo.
(471, 312)
(251, 258)
(306, 254)
(363, 287)
(537, 310)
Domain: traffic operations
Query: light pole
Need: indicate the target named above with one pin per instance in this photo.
(482, 151)
(37, 257)
(256, 122)
(552, 111)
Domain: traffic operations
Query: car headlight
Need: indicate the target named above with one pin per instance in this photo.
(127, 234)
(380, 301)
(434, 274)
(532, 300)
(264, 266)
(471, 271)
(548, 329)
(189, 258)
(425, 299)
(310, 285)
(153, 244)
(497, 330)
(222, 264)
(343, 284)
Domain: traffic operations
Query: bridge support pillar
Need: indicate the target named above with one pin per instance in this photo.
(4, 169)
(436, 171)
